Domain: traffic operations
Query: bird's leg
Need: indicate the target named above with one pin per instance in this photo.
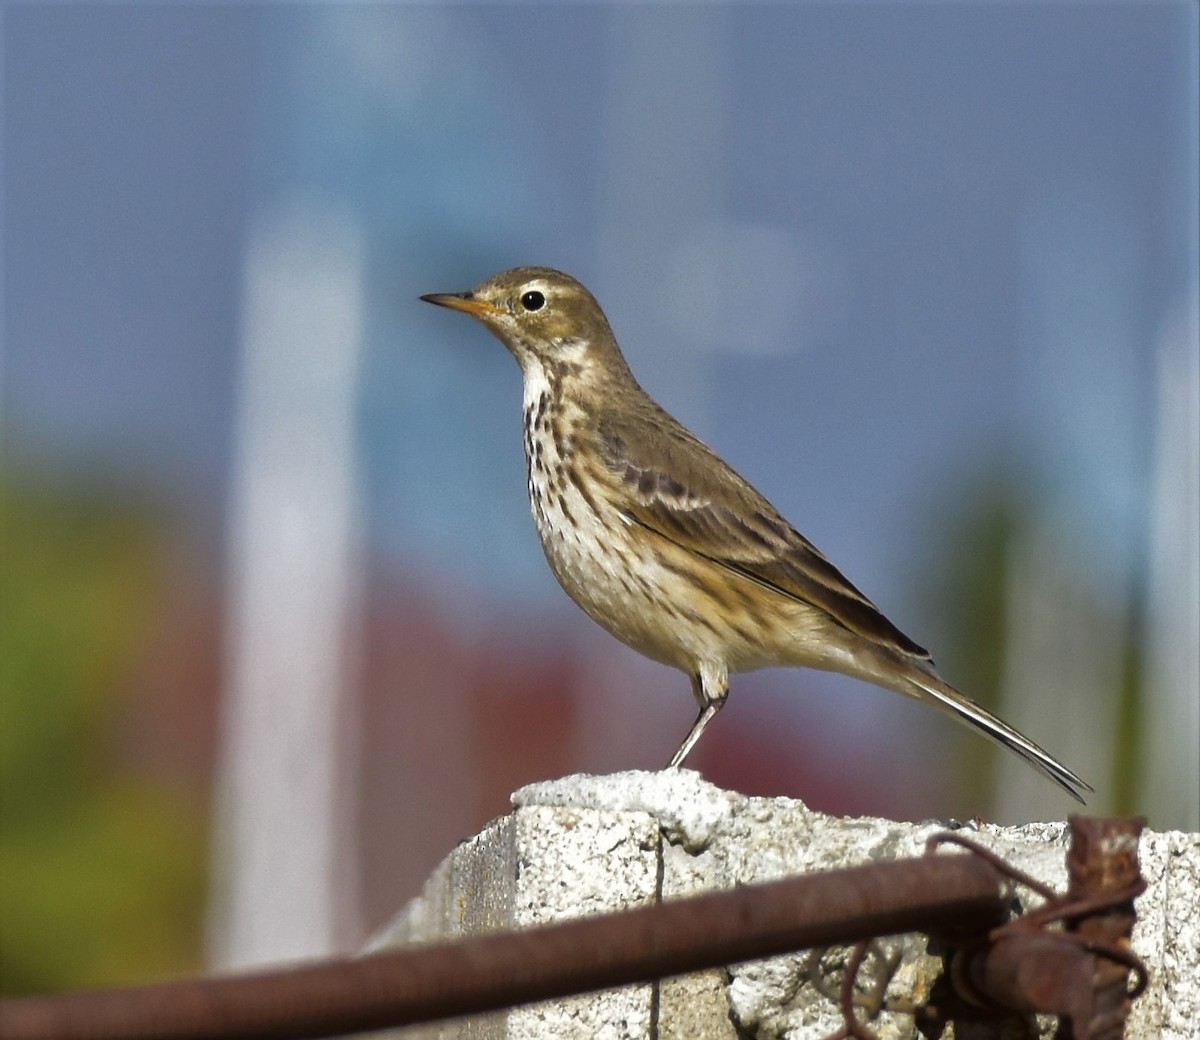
(711, 696)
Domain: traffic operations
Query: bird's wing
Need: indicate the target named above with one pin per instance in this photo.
(671, 491)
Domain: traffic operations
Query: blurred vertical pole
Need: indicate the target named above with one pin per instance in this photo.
(1075, 563)
(1064, 655)
(1170, 792)
(293, 560)
(662, 170)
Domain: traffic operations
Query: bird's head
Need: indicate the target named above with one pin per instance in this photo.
(544, 317)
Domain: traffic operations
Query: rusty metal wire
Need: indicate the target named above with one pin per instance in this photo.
(1069, 957)
(419, 984)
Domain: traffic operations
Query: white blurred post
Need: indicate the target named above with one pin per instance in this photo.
(1170, 746)
(282, 874)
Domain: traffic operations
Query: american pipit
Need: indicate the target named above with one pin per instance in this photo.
(664, 545)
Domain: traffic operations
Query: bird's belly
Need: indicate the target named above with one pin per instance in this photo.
(599, 568)
(651, 596)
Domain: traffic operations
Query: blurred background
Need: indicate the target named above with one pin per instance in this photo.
(276, 627)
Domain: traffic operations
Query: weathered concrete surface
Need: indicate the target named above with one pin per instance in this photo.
(586, 844)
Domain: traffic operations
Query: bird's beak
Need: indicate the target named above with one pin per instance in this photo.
(464, 302)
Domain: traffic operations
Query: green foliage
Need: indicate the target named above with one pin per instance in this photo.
(964, 574)
(102, 871)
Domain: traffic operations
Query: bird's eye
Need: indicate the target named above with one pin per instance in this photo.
(533, 300)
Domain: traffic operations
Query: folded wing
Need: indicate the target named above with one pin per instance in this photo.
(719, 516)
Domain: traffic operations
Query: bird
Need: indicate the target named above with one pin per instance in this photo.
(664, 545)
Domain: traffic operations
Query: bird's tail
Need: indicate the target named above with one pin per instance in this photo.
(928, 686)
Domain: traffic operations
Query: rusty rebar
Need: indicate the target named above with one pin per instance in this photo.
(425, 983)
(1071, 956)
(1104, 876)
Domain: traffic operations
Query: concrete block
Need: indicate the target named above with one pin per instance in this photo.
(585, 844)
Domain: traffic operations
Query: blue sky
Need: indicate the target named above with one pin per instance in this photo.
(878, 186)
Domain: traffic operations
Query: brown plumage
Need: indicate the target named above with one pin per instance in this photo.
(663, 544)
